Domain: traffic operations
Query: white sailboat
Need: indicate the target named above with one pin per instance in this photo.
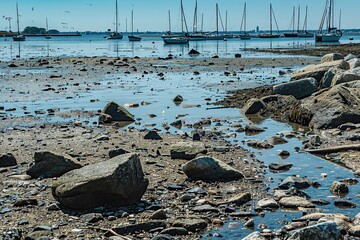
(19, 37)
(332, 34)
(304, 33)
(116, 35)
(132, 37)
(271, 35)
(243, 34)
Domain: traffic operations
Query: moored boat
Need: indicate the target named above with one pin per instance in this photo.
(116, 35)
(271, 34)
(19, 37)
(176, 40)
(243, 34)
(332, 34)
(132, 37)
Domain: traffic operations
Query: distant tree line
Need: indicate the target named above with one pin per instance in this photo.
(36, 30)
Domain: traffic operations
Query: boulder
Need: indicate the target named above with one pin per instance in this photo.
(349, 57)
(317, 216)
(280, 166)
(117, 182)
(140, 227)
(253, 106)
(329, 76)
(330, 108)
(330, 57)
(191, 224)
(317, 71)
(254, 236)
(152, 135)
(295, 202)
(276, 140)
(267, 203)
(118, 113)
(354, 63)
(117, 152)
(298, 182)
(178, 99)
(210, 169)
(187, 150)
(354, 231)
(328, 230)
(7, 160)
(299, 89)
(344, 78)
(48, 165)
(339, 189)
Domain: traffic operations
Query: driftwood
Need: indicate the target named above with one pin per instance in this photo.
(334, 149)
(110, 231)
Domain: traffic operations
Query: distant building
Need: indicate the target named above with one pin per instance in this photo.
(257, 29)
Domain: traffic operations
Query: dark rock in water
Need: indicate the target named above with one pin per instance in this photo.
(191, 224)
(91, 218)
(7, 160)
(280, 166)
(117, 152)
(344, 204)
(327, 230)
(12, 65)
(210, 169)
(175, 231)
(276, 140)
(298, 182)
(299, 89)
(187, 150)
(193, 52)
(237, 55)
(284, 154)
(339, 189)
(178, 99)
(196, 137)
(216, 56)
(253, 106)
(267, 203)
(134, 228)
(295, 202)
(49, 164)
(320, 202)
(118, 113)
(117, 182)
(253, 129)
(177, 124)
(152, 135)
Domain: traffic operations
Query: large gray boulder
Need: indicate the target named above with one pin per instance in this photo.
(117, 182)
(330, 57)
(118, 113)
(329, 76)
(329, 109)
(327, 230)
(344, 78)
(187, 150)
(7, 160)
(299, 89)
(210, 169)
(49, 164)
(317, 71)
(354, 63)
(293, 181)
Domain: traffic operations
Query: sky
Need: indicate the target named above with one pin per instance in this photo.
(152, 15)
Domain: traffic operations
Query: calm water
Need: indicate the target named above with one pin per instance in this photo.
(134, 88)
(97, 45)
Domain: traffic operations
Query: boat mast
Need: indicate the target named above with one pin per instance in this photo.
(305, 21)
(117, 18)
(202, 22)
(183, 19)
(270, 19)
(169, 20)
(195, 19)
(47, 27)
(217, 19)
(329, 16)
(132, 22)
(226, 20)
(17, 15)
(245, 17)
(298, 28)
(293, 19)
(340, 20)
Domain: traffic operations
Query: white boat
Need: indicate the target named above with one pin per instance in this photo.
(132, 37)
(332, 34)
(270, 35)
(116, 35)
(19, 37)
(243, 34)
(304, 33)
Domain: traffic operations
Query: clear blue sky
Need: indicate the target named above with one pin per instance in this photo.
(152, 15)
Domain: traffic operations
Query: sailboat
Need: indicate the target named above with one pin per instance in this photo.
(48, 36)
(293, 33)
(270, 35)
(169, 38)
(116, 35)
(216, 35)
(19, 37)
(243, 34)
(304, 33)
(131, 37)
(196, 35)
(332, 34)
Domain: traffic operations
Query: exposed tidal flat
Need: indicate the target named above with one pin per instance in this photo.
(54, 104)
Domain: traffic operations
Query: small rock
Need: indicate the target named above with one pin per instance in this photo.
(7, 160)
(152, 135)
(91, 218)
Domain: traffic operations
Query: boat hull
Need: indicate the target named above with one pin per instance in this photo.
(269, 35)
(291, 35)
(19, 38)
(327, 38)
(176, 40)
(134, 38)
(306, 35)
(115, 36)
